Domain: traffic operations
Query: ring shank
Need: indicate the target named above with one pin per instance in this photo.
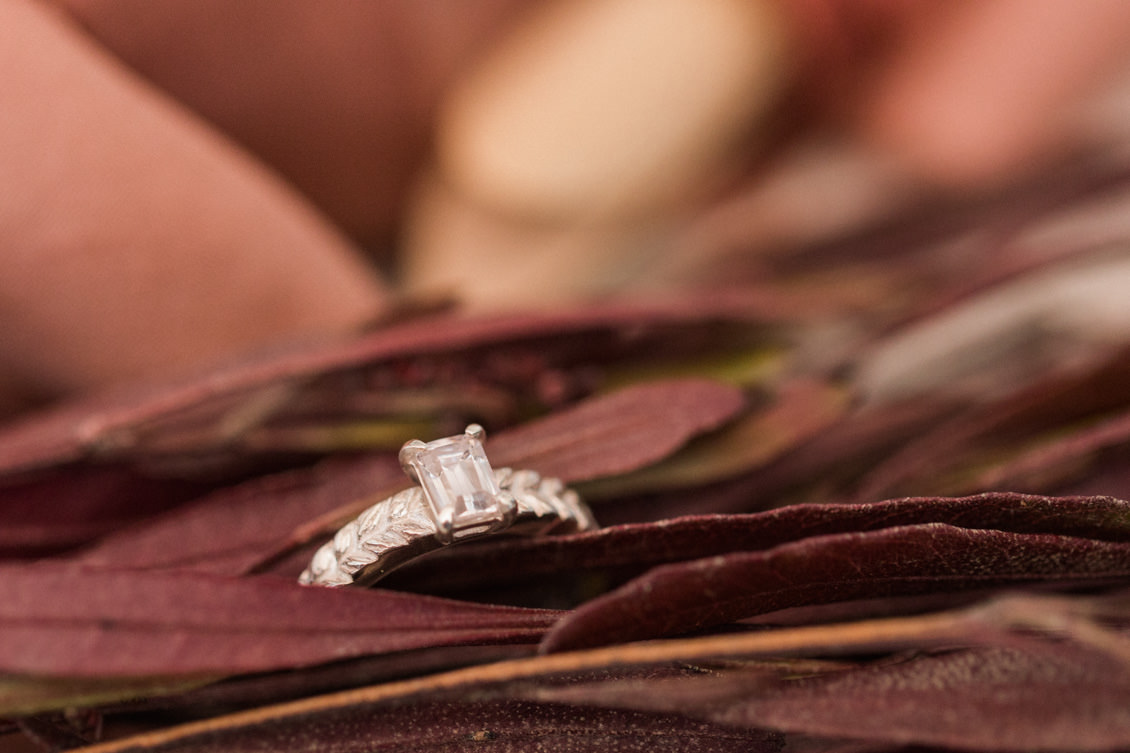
(401, 528)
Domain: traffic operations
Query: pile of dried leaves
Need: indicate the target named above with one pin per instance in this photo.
(762, 581)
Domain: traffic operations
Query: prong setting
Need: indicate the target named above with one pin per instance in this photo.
(445, 526)
(409, 454)
(509, 507)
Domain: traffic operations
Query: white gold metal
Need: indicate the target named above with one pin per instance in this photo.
(458, 497)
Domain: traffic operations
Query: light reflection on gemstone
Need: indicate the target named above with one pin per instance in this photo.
(456, 477)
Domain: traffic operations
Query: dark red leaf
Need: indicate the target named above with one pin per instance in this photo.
(692, 677)
(274, 687)
(631, 548)
(1046, 697)
(1063, 459)
(66, 620)
(797, 411)
(831, 462)
(606, 676)
(619, 432)
(234, 529)
(906, 560)
(238, 528)
(470, 725)
(1043, 696)
(66, 509)
(51, 733)
(953, 455)
(141, 418)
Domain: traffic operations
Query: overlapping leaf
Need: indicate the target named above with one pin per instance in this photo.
(502, 725)
(66, 620)
(900, 561)
(987, 445)
(817, 627)
(1017, 647)
(1040, 696)
(526, 354)
(238, 528)
(43, 516)
(632, 548)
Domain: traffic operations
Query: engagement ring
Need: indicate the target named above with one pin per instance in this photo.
(457, 497)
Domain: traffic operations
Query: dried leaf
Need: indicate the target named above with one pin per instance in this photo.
(67, 621)
(830, 464)
(61, 511)
(1042, 696)
(209, 413)
(953, 455)
(248, 691)
(163, 608)
(1056, 462)
(51, 734)
(469, 725)
(22, 695)
(239, 528)
(235, 528)
(798, 412)
(905, 560)
(631, 548)
(989, 625)
(626, 430)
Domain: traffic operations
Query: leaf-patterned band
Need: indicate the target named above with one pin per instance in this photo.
(403, 527)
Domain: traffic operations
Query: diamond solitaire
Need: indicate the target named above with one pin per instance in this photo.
(458, 484)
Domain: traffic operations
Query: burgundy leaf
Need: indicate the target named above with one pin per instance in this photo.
(906, 560)
(233, 529)
(468, 725)
(799, 410)
(58, 619)
(130, 419)
(951, 456)
(1043, 696)
(1046, 697)
(620, 432)
(51, 733)
(599, 676)
(656, 676)
(236, 529)
(832, 461)
(631, 548)
(66, 509)
(996, 223)
(1063, 459)
(274, 687)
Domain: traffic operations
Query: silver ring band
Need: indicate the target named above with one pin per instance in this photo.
(458, 497)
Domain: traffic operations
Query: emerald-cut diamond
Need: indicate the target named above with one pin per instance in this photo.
(458, 482)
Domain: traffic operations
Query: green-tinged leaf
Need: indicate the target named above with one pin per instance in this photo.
(748, 368)
(21, 695)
